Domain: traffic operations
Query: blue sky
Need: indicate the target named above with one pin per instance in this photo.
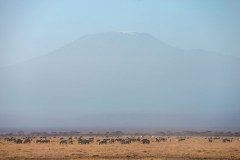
(32, 28)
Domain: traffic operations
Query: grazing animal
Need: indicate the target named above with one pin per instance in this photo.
(66, 142)
(10, 139)
(19, 141)
(27, 141)
(179, 139)
(63, 142)
(161, 139)
(210, 140)
(38, 141)
(42, 141)
(102, 142)
(84, 141)
(105, 141)
(226, 140)
(125, 141)
(145, 141)
(46, 141)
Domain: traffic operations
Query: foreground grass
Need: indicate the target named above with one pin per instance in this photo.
(193, 148)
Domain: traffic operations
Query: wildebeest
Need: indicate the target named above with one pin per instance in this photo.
(38, 141)
(161, 139)
(226, 140)
(46, 141)
(42, 141)
(125, 141)
(27, 141)
(84, 141)
(10, 139)
(102, 142)
(179, 139)
(106, 141)
(145, 141)
(210, 140)
(66, 142)
(19, 141)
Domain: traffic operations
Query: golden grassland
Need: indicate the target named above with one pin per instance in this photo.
(192, 148)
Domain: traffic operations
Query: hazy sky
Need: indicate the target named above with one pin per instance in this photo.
(31, 28)
(120, 79)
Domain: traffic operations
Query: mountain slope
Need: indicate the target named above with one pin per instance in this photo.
(122, 80)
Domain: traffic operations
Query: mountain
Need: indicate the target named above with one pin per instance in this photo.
(119, 80)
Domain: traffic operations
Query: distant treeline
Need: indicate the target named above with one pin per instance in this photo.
(202, 133)
(62, 133)
(127, 133)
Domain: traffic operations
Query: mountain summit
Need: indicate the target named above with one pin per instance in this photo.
(113, 43)
(120, 79)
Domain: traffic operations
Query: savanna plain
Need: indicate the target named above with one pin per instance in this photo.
(164, 148)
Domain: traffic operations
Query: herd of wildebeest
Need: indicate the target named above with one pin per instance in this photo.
(108, 139)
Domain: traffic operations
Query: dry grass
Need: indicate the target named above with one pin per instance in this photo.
(193, 148)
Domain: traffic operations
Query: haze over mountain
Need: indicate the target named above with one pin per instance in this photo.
(122, 80)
